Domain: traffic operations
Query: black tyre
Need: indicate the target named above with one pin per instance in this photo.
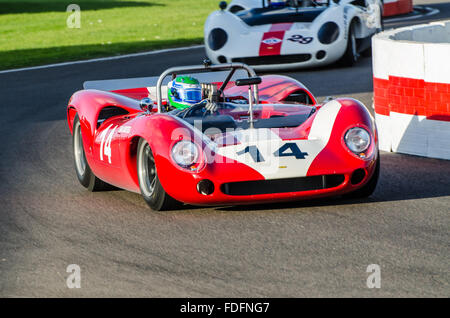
(151, 189)
(84, 172)
(351, 54)
(369, 187)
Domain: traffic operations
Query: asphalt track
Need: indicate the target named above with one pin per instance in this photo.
(306, 249)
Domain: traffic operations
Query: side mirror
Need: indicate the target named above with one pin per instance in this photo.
(248, 81)
(223, 5)
(146, 104)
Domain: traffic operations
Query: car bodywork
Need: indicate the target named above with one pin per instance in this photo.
(294, 149)
(280, 37)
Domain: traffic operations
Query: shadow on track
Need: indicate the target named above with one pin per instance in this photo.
(403, 177)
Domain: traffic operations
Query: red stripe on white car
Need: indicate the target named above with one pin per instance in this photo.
(272, 41)
(280, 27)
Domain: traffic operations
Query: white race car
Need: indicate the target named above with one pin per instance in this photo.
(282, 34)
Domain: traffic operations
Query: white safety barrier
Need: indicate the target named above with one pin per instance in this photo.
(411, 70)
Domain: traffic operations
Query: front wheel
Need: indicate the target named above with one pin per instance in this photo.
(151, 189)
(351, 54)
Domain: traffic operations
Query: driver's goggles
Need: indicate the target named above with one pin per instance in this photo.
(192, 95)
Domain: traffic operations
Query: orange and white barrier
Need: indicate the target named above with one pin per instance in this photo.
(396, 7)
(411, 69)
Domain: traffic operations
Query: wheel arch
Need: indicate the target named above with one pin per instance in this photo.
(358, 26)
(89, 105)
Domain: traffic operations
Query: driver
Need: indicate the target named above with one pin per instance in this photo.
(183, 92)
(186, 91)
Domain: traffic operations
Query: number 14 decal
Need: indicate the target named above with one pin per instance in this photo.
(105, 145)
(282, 152)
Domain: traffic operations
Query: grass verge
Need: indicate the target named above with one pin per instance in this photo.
(35, 32)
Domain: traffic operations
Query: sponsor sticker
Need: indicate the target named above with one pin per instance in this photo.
(271, 41)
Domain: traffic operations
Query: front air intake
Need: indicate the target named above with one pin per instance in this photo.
(282, 185)
(273, 59)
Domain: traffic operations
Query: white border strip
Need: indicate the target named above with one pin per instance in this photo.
(109, 58)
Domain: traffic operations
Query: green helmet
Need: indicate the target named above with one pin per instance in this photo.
(183, 92)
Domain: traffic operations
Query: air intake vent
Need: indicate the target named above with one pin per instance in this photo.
(283, 185)
(274, 59)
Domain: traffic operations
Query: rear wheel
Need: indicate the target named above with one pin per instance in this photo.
(151, 189)
(84, 172)
(369, 187)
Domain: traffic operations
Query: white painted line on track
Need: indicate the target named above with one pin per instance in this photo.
(100, 59)
(431, 11)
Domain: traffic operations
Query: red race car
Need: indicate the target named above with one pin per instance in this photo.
(221, 136)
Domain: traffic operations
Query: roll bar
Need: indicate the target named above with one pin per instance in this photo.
(207, 67)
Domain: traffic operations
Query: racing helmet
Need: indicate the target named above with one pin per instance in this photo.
(277, 3)
(183, 92)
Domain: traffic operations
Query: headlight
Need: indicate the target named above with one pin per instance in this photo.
(185, 154)
(357, 140)
(217, 39)
(328, 33)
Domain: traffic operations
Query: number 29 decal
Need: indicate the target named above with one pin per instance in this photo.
(300, 39)
(287, 150)
(105, 145)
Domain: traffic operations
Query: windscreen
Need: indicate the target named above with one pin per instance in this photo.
(127, 83)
